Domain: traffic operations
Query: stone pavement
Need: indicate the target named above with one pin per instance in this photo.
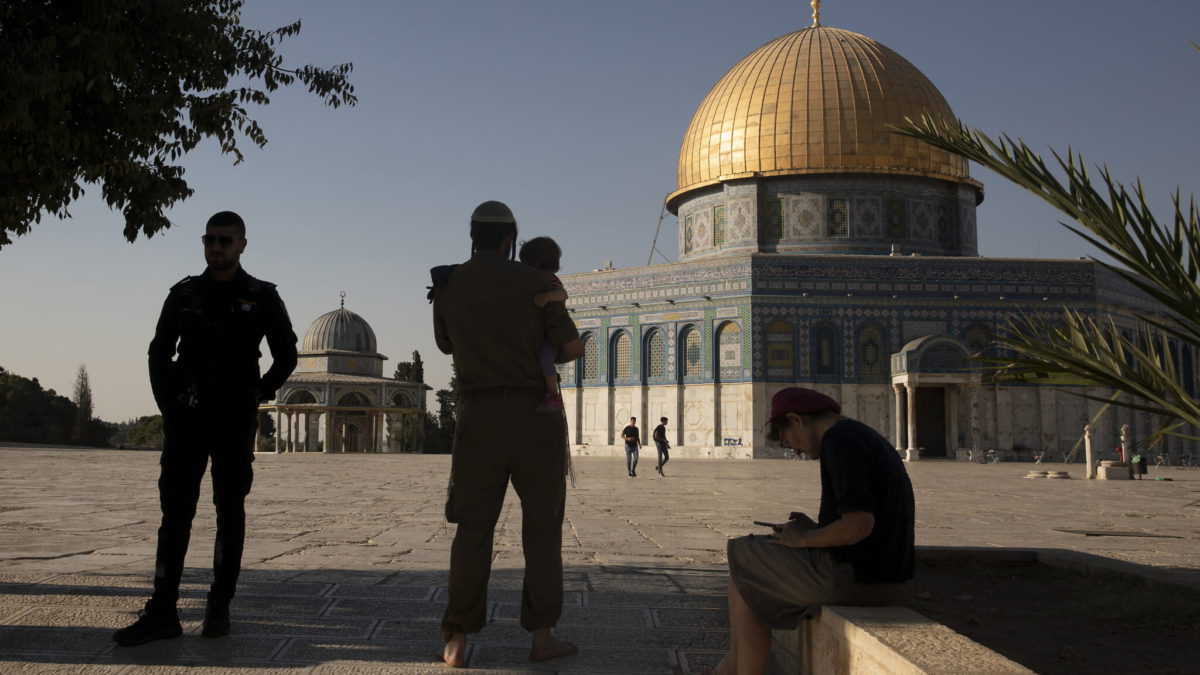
(346, 557)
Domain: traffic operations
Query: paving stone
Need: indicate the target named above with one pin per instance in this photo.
(510, 596)
(276, 606)
(691, 618)
(74, 617)
(281, 588)
(583, 616)
(386, 609)
(618, 599)
(292, 626)
(205, 668)
(15, 639)
(374, 652)
(382, 592)
(586, 660)
(192, 647)
(42, 664)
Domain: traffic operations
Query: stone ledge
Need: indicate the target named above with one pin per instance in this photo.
(876, 640)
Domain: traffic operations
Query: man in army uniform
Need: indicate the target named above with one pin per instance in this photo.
(484, 315)
(209, 400)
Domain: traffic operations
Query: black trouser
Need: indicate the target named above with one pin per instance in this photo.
(192, 436)
(663, 455)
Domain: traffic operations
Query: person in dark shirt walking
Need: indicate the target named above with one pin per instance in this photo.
(209, 399)
(662, 445)
(633, 443)
(859, 551)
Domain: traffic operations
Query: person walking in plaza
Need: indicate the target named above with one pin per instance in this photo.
(662, 445)
(859, 551)
(209, 399)
(483, 317)
(633, 443)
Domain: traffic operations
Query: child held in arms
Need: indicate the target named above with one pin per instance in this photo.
(542, 253)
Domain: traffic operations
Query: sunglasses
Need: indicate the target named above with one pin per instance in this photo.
(212, 239)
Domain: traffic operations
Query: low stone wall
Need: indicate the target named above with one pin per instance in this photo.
(898, 640)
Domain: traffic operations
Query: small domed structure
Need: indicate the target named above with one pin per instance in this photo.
(340, 330)
(337, 399)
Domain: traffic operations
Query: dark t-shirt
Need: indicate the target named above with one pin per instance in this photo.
(631, 432)
(660, 433)
(861, 471)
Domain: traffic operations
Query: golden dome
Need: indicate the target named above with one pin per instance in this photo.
(815, 101)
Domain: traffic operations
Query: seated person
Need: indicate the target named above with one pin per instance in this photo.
(859, 550)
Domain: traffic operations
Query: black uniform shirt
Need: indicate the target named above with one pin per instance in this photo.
(217, 328)
(861, 471)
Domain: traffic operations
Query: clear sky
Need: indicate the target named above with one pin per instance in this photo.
(571, 112)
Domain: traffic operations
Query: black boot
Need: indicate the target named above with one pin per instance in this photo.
(216, 618)
(152, 624)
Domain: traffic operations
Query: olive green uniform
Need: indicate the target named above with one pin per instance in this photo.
(484, 315)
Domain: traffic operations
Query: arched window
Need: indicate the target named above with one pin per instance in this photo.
(781, 349)
(718, 225)
(354, 399)
(871, 356)
(826, 350)
(402, 400)
(690, 355)
(619, 368)
(688, 226)
(729, 350)
(655, 355)
(301, 396)
(591, 360)
(978, 337)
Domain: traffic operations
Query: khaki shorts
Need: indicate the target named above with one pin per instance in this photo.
(781, 584)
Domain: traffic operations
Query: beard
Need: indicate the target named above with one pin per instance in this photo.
(222, 263)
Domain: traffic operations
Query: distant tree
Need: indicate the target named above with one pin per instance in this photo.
(411, 371)
(266, 432)
(147, 432)
(83, 405)
(30, 414)
(418, 368)
(113, 93)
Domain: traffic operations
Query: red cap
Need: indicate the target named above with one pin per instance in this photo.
(800, 400)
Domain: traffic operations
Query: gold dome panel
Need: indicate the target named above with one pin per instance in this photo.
(815, 101)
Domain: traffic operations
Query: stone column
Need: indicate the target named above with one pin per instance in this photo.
(278, 430)
(952, 394)
(973, 401)
(913, 453)
(898, 418)
(1089, 454)
(294, 435)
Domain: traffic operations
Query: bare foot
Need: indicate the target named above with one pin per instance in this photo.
(546, 646)
(455, 653)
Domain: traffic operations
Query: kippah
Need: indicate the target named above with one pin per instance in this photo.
(493, 212)
(801, 401)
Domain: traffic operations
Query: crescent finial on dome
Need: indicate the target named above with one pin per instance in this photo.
(816, 7)
(343, 295)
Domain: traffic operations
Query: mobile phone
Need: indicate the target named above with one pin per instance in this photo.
(759, 522)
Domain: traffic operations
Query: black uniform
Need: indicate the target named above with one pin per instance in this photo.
(209, 398)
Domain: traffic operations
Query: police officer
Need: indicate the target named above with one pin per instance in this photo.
(484, 315)
(209, 399)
